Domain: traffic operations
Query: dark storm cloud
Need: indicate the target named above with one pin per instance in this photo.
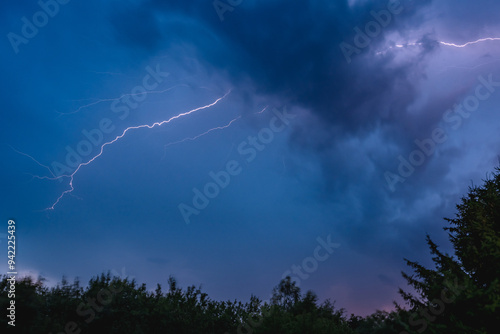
(292, 50)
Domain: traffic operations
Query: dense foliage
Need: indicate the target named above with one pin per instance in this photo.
(114, 305)
(462, 294)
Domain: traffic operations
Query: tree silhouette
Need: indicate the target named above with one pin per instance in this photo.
(462, 294)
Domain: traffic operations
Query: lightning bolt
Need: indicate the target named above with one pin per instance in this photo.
(98, 101)
(204, 133)
(108, 73)
(149, 126)
(470, 43)
(208, 131)
(37, 162)
(468, 68)
(260, 112)
(399, 46)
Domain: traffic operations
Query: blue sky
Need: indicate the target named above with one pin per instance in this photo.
(392, 117)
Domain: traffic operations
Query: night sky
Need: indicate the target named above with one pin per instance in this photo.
(321, 139)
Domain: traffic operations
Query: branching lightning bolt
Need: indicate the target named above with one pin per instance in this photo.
(72, 176)
(208, 131)
(204, 133)
(469, 68)
(38, 163)
(98, 101)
